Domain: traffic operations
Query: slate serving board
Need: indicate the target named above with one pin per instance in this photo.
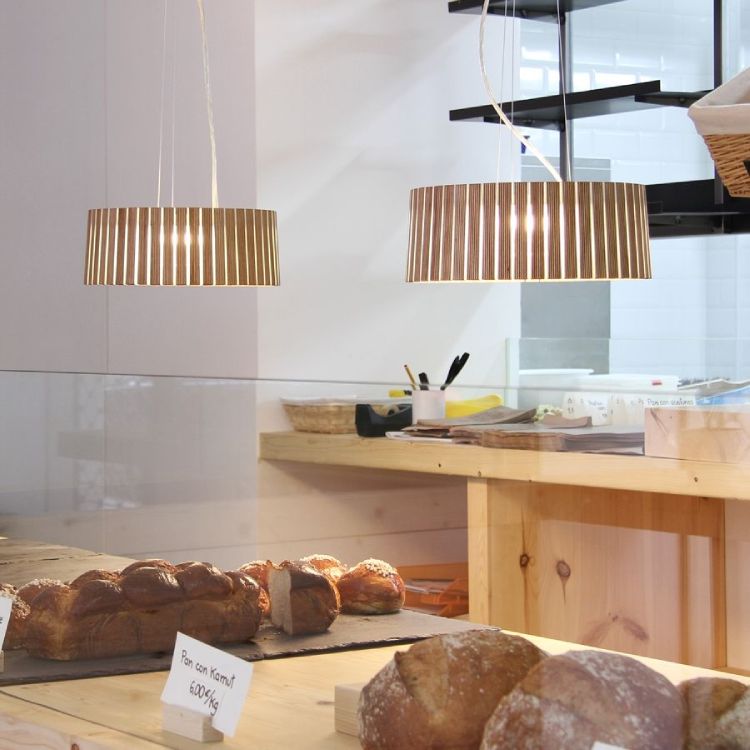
(348, 632)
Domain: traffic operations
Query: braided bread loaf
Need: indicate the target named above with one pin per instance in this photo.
(139, 610)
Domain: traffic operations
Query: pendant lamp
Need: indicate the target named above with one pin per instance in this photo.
(183, 246)
(527, 231)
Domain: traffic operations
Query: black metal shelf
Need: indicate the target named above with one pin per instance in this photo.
(548, 112)
(539, 10)
(700, 207)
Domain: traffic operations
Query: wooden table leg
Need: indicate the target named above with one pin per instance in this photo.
(631, 571)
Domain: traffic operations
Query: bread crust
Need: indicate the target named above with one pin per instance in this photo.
(440, 693)
(18, 615)
(303, 600)
(372, 587)
(140, 610)
(327, 565)
(575, 699)
(717, 714)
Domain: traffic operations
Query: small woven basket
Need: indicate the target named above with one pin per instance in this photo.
(731, 153)
(332, 418)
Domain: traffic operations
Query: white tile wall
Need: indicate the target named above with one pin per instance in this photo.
(687, 318)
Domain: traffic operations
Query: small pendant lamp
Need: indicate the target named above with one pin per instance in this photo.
(183, 246)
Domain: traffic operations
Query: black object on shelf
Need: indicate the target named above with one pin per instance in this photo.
(539, 10)
(689, 209)
(371, 424)
(548, 112)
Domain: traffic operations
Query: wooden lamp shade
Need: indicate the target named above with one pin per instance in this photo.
(182, 247)
(529, 231)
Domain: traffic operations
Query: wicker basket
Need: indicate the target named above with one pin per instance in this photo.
(331, 417)
(730, 154)
(722, 117)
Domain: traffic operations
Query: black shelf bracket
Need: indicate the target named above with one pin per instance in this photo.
(548, 112)
(536, 10)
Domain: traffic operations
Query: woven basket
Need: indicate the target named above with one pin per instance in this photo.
(722, 117)
(730, 152)
(332, 418)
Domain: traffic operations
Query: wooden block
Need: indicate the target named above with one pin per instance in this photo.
(345, 708)
(699, 433)
(189, 724)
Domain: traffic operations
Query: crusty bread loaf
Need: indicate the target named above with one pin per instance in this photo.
(140, 610)
(440, 692)
(18, 615)
(327, 565)
(372, 587)
(575, 699)
(718, 714)
(303, 600)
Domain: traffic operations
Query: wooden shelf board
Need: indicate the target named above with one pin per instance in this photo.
(636, 473)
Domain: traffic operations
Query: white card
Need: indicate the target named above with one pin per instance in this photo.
(209, 681)
(6, 604)
(605, 746)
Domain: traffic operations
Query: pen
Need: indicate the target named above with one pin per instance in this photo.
(411, 377)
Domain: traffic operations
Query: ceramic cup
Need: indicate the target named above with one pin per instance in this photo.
(427, 405)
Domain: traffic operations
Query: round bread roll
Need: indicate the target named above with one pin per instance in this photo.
(573, 700)
(258, 569)
(718, 714)
(19, 613)
(440, 692)
(327, 565)
(372, 587)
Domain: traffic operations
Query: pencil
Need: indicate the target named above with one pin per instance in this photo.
(411, 377)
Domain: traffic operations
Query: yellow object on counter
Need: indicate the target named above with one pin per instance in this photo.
(472, 406)
(461, 408)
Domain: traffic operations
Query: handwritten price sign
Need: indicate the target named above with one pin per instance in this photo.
(209, 681)
(6, 605)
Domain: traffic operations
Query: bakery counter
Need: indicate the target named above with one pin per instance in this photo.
(618, 551)
(290, 705)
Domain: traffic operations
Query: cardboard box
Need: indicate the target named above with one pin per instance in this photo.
(699, 433)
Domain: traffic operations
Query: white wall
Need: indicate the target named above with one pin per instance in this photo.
(352, 111)
(80, 83)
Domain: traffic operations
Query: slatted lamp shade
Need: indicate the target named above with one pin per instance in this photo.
(182, 247)
(525, 231)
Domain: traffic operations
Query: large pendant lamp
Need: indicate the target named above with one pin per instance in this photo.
(527, 231)
(183, 246)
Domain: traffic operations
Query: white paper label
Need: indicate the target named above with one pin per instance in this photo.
(605, 746)
(6, 604)
(209, 681)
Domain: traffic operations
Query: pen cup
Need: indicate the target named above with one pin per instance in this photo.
(427, 405)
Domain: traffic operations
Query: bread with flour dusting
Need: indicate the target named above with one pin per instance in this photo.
(440, 692)
(575, 699)
(718, 714)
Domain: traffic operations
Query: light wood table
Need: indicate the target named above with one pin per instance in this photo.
(619, 551)
(290, 705)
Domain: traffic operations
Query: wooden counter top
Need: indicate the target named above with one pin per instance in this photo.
(620, 472)
(290, 705)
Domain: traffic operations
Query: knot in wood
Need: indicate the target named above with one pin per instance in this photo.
(524, 560)
(563, 569)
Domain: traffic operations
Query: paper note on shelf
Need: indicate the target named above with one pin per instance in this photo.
(6, 605)
(208, 681)
(598, 406)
